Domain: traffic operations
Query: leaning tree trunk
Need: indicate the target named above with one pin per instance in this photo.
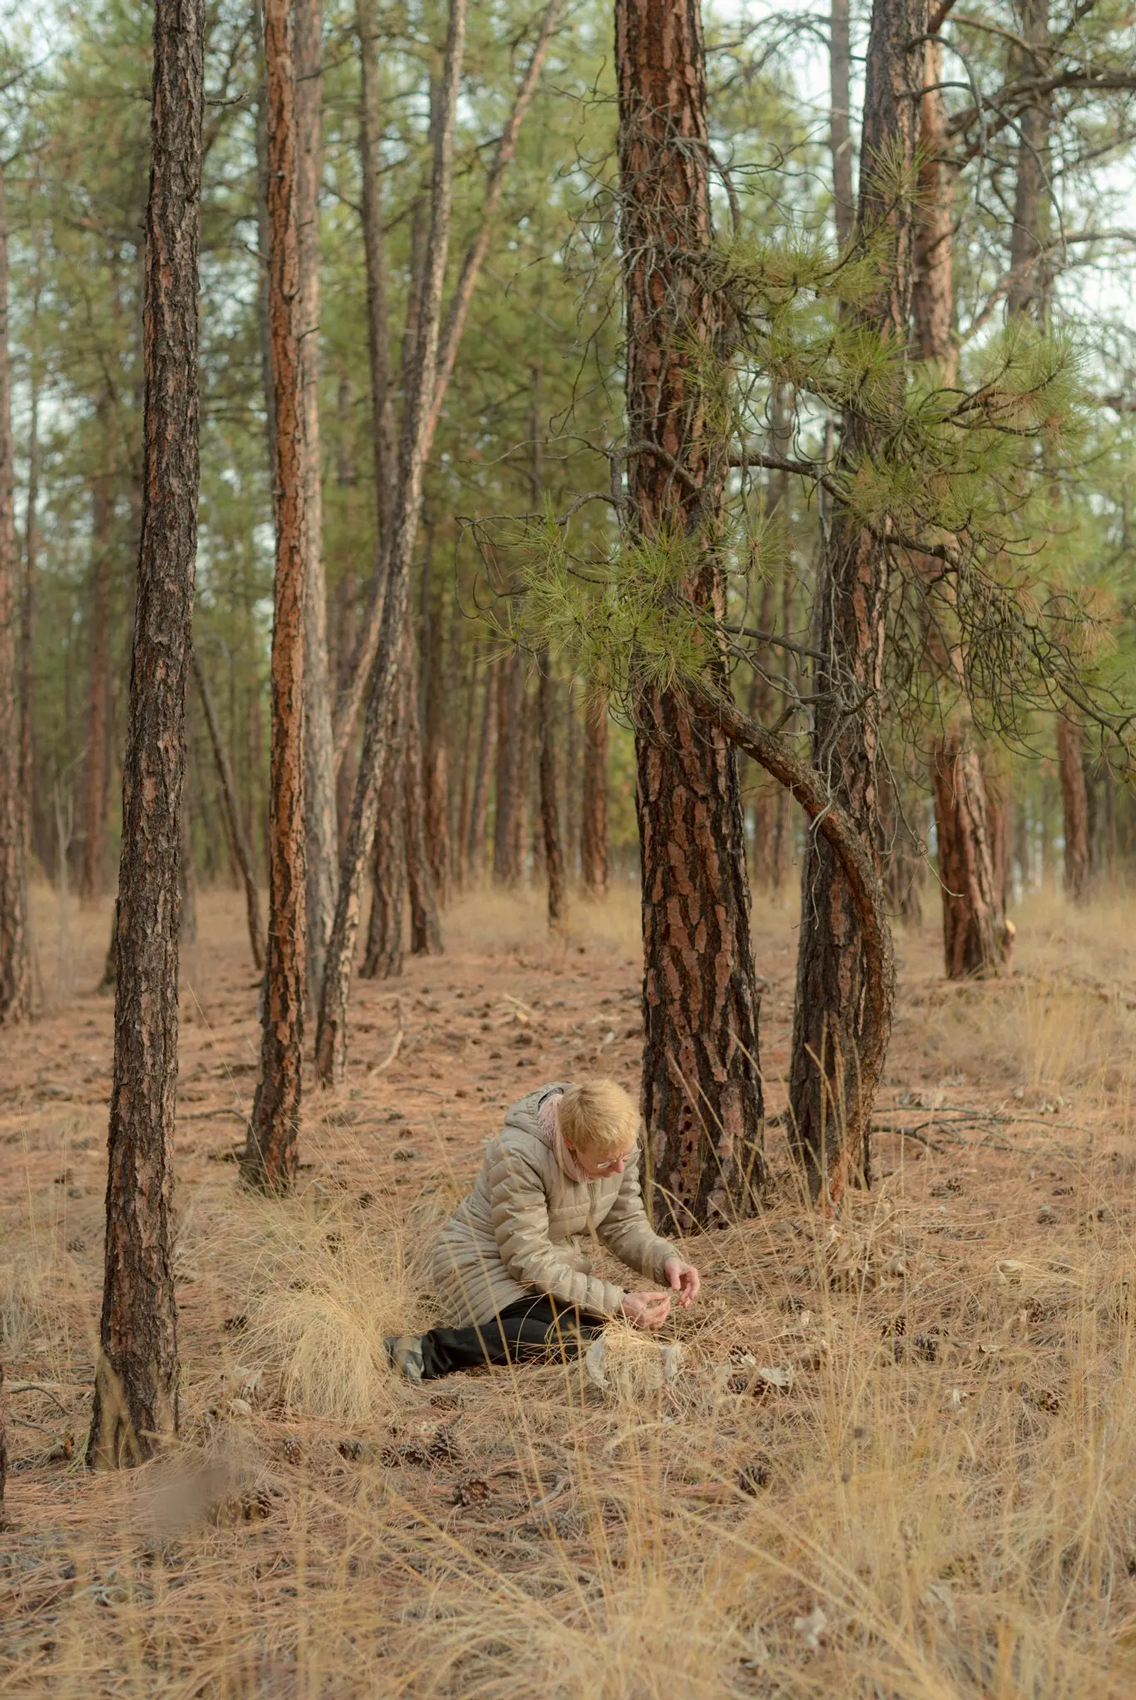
(15, 955)
(851, 602)
(136, 1385)
(271, 1150)
(319, 766)
(1075, 801)
(331, 1034)
(593, 804)
(701, 1092)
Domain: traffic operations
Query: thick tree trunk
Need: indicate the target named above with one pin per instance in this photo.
(237, 836)
(509, 816)
(479, 803)
(842, 832)
(270, 1156)
(851, 603)
(840, 126)
(593, 805)
(331, 1035)
(135, 1402)
(98, 668)
(425, 928)
(973, 923)
(549, 805)
(1075, 803)
(319, 766)
(15, 954)
(702, 1095)
(383, 956)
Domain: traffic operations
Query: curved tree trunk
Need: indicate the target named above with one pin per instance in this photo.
(271, 1150)
(701, 1091)
(851, 603)
(15, 954)
(136, 1387)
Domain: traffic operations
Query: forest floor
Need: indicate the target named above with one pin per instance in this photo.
(897, 1464)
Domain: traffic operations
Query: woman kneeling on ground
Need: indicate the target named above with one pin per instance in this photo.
(509, 1271)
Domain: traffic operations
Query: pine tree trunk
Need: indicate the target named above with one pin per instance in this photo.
(262, 240)
(1075, 803)
(383, 956)
(271, 1151)
(549, 806)
(425, 928)
(436, 758)
(508, 822)
(331, 1034)
(829, 1023)
(479, 803)
(135, 1402)
(15, 954)
(232, 814)
(702, 1095)
(187, 893)
(319, 766)
(973, 924)
(840, 130)
(465, 801)
(98, 672)
(593, 805)
(34, 835)
(1031, 270)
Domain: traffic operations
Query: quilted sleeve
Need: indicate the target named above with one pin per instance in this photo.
(626, 1231)
(519, 1212)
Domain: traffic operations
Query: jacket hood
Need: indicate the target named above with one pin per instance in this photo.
(524, 1114)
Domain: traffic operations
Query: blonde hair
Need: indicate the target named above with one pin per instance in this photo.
(598, 1118)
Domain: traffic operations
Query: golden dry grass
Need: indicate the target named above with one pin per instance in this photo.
(897, 1464)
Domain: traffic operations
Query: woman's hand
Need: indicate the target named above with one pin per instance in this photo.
(646, 1310)
(684, 1279)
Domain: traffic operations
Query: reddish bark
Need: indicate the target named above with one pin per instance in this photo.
(270, 1156)
(95, 775)
(973, 923)
(702, 1095)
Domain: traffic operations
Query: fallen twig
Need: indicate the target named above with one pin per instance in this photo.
(36, 1387)
(396, 1045)
(204, 1115)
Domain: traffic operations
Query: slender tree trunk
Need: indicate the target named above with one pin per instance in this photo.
(549, 805)
(508, 823)
(270, 1157)
(449, 337)
(237, 836)
(383, 956)
(826, 1071)
(1075, 802)
(436, 757)
(840, 130)
(702, 1094)
(762, 693)
(31, 574)
(331, 1035)
(98, 668)
(135, 1402)
(262, 240)
(593, 807)
(465, 802)
(1031, 274)
(319, 766)
(425, 928)
(187, 891)
(378, 322)
(479, 803)
(15, 954)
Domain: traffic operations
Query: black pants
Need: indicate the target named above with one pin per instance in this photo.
(522, 1332)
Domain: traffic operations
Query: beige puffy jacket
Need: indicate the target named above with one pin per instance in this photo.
(518, 1230)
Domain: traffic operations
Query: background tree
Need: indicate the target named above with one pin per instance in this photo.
(15, 954)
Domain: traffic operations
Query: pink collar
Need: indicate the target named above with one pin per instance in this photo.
(565, 1159)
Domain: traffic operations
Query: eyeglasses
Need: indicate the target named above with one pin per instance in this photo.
(611, 1167)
